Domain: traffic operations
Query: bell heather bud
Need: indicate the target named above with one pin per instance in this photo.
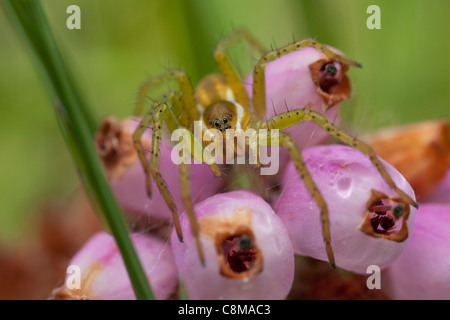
(369, 223)
(422, 270)
(306, 76)
(97, 271)
(248, 254)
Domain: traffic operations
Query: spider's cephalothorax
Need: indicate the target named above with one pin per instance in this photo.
(218, 106)
(221, 102)
(220, 112)
(220, 116)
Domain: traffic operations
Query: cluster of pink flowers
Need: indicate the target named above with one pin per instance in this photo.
(249, 241)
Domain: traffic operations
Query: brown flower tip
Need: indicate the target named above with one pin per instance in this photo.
(332, 86)
(64, 294)
(82, 293)
(114, 146)
(386, 217)
(237, 251)
(421, 152)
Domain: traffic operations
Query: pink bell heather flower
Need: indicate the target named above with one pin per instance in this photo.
(115, 147)
(422, 270)
(366, 221)
(248, 254)
(306, 76)
(103, 275)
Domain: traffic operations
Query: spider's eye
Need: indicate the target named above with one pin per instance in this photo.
(211, 122)
(224, 120)
(217, 123)
(331, 69)
(228, 115)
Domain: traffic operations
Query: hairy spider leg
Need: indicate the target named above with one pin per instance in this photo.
(292, 117)
(143, 125)
(259, 93)
(154, 118)
(159, 114)
(187, 93)
(227, 68)
(285, 140)
(184, 111)
(187, 200)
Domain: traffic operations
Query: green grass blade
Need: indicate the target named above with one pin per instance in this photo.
(77, 127)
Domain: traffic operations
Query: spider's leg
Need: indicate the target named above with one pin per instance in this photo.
(259, 94)
(187, 92)
(154, 118)
(187, 200)
(157, 122)
(326, 125)
(290, 118)
(227, 68)
(173, 122)
(175, 115)
(195, 149)
(146, 120)
(288, 142)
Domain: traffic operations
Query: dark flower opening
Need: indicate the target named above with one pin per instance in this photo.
(332, 86)
(327, 77)
(239, 252)
(386, 217)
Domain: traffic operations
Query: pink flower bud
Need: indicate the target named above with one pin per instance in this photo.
(422, 270)
(103, 276)
(300, 78)
(126, 174)
(248, 254)
(368, 222)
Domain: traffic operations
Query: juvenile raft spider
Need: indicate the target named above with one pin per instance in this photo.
(220, 101)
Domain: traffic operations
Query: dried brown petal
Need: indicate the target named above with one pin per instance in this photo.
(421, 152)
(115, 147)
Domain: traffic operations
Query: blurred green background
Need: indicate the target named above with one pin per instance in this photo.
(405, 75)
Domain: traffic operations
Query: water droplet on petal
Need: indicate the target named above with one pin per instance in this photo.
(344, 187)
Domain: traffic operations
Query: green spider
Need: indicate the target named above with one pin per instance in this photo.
(221, 102)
